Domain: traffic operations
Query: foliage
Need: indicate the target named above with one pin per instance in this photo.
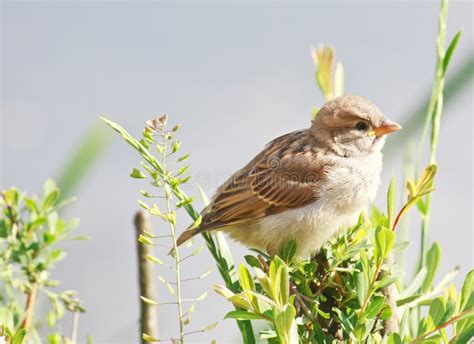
(340, 294)
(86, 153)
(344, 293)
(162, 176)
(433, 115)
(329, 80)
(30, 232)
(167, 147)
(351, 291)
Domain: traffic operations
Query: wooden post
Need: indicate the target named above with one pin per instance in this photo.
(146, 280)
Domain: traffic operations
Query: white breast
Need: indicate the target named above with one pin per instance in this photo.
(348, 189)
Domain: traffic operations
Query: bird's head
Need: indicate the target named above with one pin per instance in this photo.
(352, 125)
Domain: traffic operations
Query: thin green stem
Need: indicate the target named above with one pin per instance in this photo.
(175, 251)
(245, 326)
(371, 286)
(433, 118)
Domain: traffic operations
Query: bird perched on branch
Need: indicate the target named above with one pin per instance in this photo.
(306, 185)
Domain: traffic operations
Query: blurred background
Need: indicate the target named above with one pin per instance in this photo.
(236, 75)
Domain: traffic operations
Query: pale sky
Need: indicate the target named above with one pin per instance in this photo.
(235, 75)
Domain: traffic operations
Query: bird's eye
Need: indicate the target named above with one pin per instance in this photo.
(361, 126)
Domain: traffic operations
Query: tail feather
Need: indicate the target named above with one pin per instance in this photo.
(186, 235)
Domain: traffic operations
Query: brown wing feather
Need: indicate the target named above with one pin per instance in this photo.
(285, 175)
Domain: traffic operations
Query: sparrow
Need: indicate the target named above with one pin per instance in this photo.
(305, 186)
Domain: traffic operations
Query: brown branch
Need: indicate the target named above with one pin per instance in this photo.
(300, 302)
(443, 325)
(398, 218)
(148, 315)
(30, 305)
(371, 286)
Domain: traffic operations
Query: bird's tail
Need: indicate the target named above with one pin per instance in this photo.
(186, 235)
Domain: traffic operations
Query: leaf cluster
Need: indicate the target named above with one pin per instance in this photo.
(31, 231)
(341, 294)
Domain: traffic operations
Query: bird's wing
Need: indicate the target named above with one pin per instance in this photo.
(285, 175)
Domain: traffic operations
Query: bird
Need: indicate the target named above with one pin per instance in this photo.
(305, 186)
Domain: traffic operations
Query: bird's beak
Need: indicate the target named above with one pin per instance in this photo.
(386, 127)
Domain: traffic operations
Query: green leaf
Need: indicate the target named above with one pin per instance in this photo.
(51, 318)
(437, 310)
(450, 51)
(433, 259)
(18, 336)
(465, 336)
(284, 322)
(247, 283)
(144, 240)
(175, 146)
(11, 197)
(362, 287)
(243, 315)
(314, 112)
(31, 204)
(185, 202)
(467, 292)
(136, 173)
(148, 301)
(224, 291)
(154, 259)
(210, 327)
(183, 170)
(148, 338)
(284, 284)
(37, 223)
(365, 263)
(183, 158)
(4, 230)
(167, 284)
(374, 307)
(252, 261)
(346, 324)
(238, 300)
(401, 245)
(49, 186)
(143, 205)
(386, 313)
(50, 199)
(384, 240)
(288, 251)
(394, 339)
(319, 334)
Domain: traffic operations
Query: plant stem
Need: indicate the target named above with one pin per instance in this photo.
(175, 250)
(397, 219)
(443, 325)
(433, 117)
(213, 245)
(30, 305)
(75, 324)
(457, 82)
(148, 316)
(371, 286)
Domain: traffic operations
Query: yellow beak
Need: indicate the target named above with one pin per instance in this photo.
(386, 127)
